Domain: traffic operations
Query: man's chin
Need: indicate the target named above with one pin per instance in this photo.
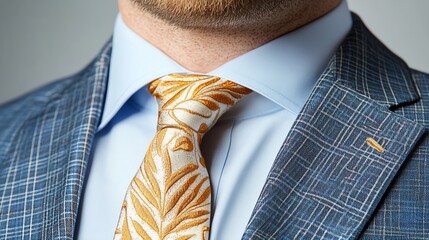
(203, 14)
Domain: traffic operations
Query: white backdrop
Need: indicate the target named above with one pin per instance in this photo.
(43, 40)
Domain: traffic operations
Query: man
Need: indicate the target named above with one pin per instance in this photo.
(331, 144)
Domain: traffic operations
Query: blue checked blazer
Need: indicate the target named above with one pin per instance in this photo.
(327, 181)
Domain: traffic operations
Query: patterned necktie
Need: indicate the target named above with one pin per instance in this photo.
(170, 196)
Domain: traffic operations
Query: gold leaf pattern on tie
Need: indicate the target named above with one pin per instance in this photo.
(170, 196)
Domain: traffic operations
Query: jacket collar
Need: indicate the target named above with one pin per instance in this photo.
(87, 96)
(366, 66)
(343, 150)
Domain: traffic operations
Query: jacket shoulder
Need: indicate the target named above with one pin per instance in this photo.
(15, 112)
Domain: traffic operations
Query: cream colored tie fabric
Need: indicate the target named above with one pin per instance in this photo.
(170, 196)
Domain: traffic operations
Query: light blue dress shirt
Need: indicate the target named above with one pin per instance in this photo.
(239, 150)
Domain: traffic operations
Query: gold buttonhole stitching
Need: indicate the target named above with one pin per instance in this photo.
(374, 144)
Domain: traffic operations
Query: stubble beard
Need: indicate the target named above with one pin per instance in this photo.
(213, 14)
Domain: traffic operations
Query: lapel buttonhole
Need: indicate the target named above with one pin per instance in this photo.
(374, 144)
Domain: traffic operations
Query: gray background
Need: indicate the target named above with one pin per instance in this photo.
(43, 40)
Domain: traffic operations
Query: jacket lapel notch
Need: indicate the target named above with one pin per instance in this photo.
(368, 67)
(333, 169)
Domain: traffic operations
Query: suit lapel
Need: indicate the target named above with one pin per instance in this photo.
(45, 166)
(344, 149)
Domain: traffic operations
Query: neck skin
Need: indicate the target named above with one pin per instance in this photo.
(205, 50)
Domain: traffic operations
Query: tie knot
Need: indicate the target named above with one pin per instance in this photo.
(194, 102)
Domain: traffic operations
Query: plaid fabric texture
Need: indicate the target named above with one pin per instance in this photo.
(45, 140)
(326, 183)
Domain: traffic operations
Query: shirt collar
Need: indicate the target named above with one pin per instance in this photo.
(282, 71)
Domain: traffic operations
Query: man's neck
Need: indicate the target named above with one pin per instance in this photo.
(205, 50)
